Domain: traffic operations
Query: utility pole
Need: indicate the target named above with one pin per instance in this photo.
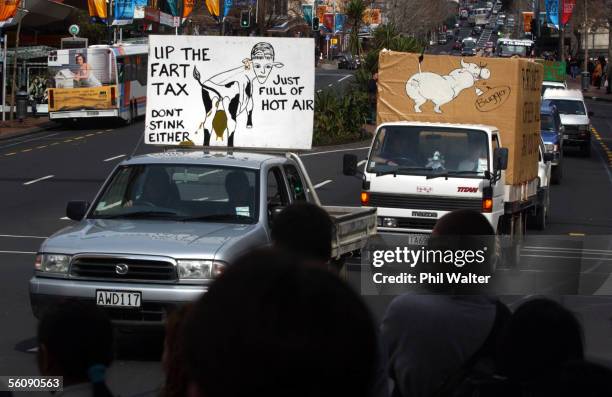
(585, 70)
(14, 82)
(4, 60)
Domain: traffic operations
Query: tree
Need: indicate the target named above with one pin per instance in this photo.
(354, 11)
(418, 17)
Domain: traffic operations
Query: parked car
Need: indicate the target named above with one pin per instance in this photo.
(553, 84)
(442, 40)
(457, 45)
(345, 61)
(551, 131)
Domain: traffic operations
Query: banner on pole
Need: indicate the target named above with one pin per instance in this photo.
(8, 9)
(123, 11)
(307, 11)
(568, 9)
(213, 7)
(97, 8)
(552, 12)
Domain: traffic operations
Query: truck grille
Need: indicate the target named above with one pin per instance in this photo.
(416, 223)
(422, 202)
(137, 269)
(149, 312)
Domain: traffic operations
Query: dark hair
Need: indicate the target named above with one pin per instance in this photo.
(80, 55)
(78, 337)
(540, 336)
(270, 326)
(462, 230)
(584, 379)
(305, 230)
(174, 354)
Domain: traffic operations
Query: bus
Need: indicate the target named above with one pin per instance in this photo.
(511, 47)
(478, 16)
(99, 81)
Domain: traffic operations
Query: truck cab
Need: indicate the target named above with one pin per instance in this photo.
(165, 225)
(418, 172)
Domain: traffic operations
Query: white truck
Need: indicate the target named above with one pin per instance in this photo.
(430, 154)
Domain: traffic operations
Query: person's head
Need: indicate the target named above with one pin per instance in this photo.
(270, 326)
(540, 336)
(375, 76)
(156, 186)
(80, 59)
(238, 188)
(262, 59)
(75, 340)
(173, 357)
(304, 229)
(471, 238)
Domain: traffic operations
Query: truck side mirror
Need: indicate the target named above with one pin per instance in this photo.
(349, 165)
(76, 210)
(500, 159)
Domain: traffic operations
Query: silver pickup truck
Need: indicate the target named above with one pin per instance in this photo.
(164, 225)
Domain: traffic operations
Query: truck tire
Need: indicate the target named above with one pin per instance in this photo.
(511, 250)
(556, 174)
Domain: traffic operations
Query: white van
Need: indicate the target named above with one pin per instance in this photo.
(574, 116)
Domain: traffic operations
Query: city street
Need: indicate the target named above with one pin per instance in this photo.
(40, 173)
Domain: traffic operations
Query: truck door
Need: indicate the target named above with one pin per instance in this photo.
(498, 188)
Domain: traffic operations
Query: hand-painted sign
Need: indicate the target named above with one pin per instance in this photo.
(230, 91)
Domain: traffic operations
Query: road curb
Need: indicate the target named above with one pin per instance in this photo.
(27, 131)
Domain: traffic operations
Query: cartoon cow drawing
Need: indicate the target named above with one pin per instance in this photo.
(228, 94)
(427, 86)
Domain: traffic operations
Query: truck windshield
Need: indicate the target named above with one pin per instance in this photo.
(569, 107)
(180, 193)
(429, 150)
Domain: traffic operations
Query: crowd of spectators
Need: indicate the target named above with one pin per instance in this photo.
(280, 322)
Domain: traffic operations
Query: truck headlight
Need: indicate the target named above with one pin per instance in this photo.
(199, 269)
(52, 263)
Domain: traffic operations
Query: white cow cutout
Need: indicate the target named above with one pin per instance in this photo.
(440, 90)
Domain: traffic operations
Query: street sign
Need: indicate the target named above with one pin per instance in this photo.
(334, 41)
(74, 30)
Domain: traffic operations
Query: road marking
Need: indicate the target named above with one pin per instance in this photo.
(576, 234)
(68, 140)
(39, 179)
(329, 85)
(115, 158)
(28, 140)
(64, 218)
(11, 154)
(542, 248)
(361, 162)
(100, 132)
(18, 252)
(318, 185)
(54, 143)
(26, 150)
(18, 236)
(345, 77)
(78, 137)
(41, 147)
(606, 166)
(90, 134)
(201, 199)
(335, 151)
(109, 130)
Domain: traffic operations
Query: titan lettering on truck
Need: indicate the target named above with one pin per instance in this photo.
(453, 133)
(164, 225)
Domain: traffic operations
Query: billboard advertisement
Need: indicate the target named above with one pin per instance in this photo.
(230, 91)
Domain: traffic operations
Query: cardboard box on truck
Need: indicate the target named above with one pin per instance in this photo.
(504, 93)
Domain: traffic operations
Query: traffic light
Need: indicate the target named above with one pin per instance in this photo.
(245, 18)
(315, 23)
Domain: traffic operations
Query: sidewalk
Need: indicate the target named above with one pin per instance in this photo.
(592, 92)
(11, 129)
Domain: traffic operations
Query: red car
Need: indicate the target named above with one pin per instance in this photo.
(457, 45)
